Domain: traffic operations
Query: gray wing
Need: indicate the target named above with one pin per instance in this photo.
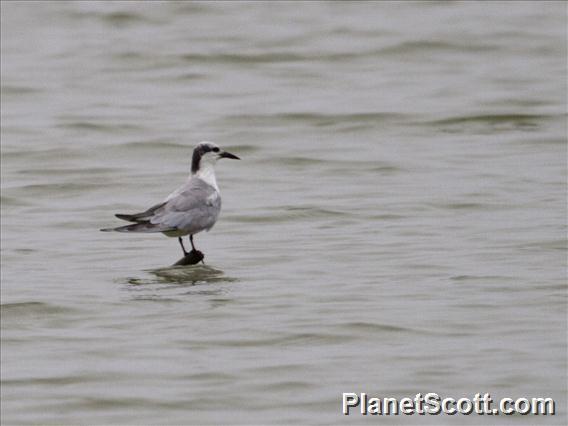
(195, 208)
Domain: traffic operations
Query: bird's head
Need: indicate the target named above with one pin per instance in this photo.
(207, 153)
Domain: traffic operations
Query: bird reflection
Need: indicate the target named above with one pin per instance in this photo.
(176, 277)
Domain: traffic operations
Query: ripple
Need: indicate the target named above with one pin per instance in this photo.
(436, 46)
(119, 18)
(469, 206)
(68, 171)
(190, 76)
(285, 339)
(318, 119)
(32, 309)
(60, 187)
(288, 385)
(336, 166)
(42, 154)
(494, 118)
(287, 214)
(14, 201)
(377, 328)
(496, 278)
(152, 145)
(211, 377)
(122, 18)
(9, 90)
(95, 126)
(60, 380)
(313, 211)
(243, 58)
(494, 122)
(298, 161)
(553, 244)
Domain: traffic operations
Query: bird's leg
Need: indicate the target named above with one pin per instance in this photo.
(182, 247)
(195, 250)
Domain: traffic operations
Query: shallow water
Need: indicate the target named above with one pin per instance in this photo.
(396, 225)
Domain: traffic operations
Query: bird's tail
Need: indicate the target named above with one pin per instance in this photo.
(139, 227)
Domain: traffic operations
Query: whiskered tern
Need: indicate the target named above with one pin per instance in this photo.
(192, 208)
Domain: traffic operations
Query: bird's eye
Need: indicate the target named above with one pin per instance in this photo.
(215, 149)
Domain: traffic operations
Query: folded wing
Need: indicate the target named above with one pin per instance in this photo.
(140, 217)
(194, 208)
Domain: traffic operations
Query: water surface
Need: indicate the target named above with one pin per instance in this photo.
(396, 225)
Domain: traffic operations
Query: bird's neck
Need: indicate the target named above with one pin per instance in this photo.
(207, 174)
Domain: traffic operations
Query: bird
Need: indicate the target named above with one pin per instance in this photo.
(191, 208)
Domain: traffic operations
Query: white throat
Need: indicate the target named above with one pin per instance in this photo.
(206, 173)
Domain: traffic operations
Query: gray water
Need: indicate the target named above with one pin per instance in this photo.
(396, 224)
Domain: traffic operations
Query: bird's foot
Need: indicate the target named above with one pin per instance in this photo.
(191, 258)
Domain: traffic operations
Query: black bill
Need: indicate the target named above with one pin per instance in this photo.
(226, 154)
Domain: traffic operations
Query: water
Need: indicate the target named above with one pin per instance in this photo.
(396, 225)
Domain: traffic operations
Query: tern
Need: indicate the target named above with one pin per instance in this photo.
(192, 208)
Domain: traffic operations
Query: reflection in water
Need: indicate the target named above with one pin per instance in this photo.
(172, 279)
(199, 274)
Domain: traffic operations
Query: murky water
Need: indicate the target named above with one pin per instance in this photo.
(396, 225)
